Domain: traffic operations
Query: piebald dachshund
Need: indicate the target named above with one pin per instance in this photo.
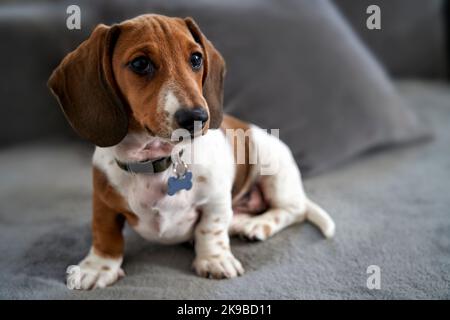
(128, 89)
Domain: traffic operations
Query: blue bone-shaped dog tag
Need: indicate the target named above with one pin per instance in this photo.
(176, 184)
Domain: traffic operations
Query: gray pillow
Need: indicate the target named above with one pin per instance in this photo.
(292, 65)
(297, 66)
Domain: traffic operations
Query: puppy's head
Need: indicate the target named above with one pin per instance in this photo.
(150, 73)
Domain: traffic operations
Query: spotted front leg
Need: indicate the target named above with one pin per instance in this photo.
(212, 245)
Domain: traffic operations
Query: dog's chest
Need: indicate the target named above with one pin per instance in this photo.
(161, 217)
(171, 219)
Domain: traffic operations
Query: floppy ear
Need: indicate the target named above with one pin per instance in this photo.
(213, 75)
(85, 87)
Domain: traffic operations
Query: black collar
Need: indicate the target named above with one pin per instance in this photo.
(149, 166)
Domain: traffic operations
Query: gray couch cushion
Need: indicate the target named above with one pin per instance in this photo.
(292, 65)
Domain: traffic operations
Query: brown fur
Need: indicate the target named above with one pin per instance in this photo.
(109, 214)
(147, 36)
(85, 87)
(244, 176)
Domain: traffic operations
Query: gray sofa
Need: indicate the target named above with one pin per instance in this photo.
(389, 197)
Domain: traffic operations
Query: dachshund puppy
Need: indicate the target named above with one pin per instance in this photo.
(129, 89)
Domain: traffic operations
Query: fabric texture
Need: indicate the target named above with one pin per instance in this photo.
(390, 209)
(292, 65)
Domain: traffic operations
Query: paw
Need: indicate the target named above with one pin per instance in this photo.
(252, 228)
(90, 278)
(218, 266)
(94, 272)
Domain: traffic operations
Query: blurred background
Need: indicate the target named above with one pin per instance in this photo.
(366, 113)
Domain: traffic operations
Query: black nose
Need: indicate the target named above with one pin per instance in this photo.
(185, 117)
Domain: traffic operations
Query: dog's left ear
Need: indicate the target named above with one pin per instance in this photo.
(213, 75)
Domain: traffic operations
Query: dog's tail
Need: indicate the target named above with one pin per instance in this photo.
(320, 218)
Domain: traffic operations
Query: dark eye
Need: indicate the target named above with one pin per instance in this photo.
(196, 60)
(141, 65)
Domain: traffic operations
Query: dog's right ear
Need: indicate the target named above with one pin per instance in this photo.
(85, 87)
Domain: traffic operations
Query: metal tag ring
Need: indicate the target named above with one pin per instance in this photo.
(180, 169)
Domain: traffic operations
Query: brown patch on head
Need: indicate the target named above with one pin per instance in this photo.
(201, 179)
(167, 44)
(106, 268)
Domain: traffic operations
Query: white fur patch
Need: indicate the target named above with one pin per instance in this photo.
(171, 103)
